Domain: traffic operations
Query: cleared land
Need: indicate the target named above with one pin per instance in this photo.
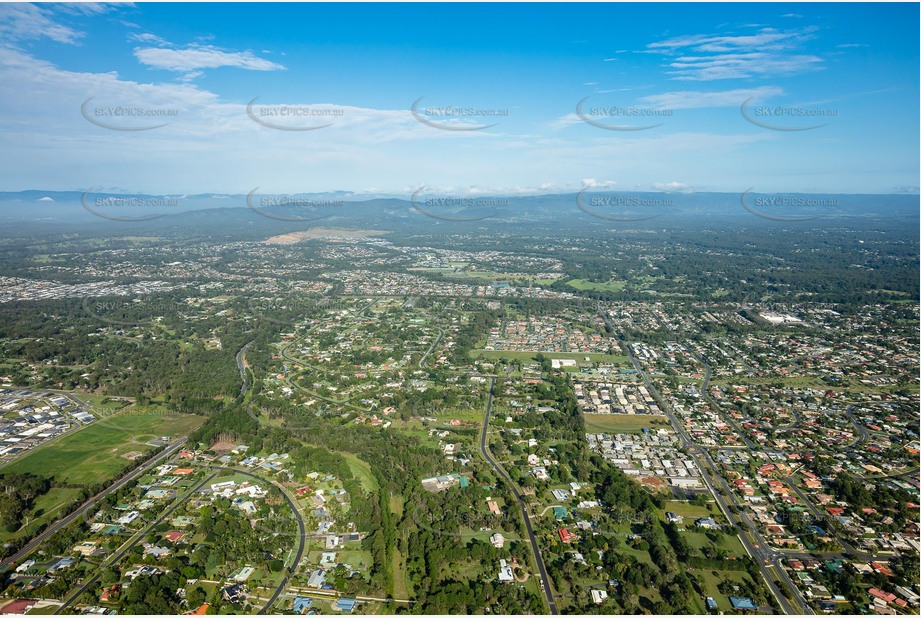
(608, 286)
(320, 232)
(361, 470)
(96, 453)
(623, 423)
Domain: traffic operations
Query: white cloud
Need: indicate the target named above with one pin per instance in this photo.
(566, 120)
(591, 183)
(147, 37)
(672, 187)
(20, 22)
(736, 66)
(695, 99)
(89, 8)
(195, 57)
(768, 52)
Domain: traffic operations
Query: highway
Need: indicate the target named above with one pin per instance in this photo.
(123, 550)
(126, 547)
(29, 547)
(535, 548)
(755, 550)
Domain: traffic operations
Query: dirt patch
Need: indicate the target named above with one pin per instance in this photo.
(320, 232)
(132, 455)
(223, 446)
(652, 481)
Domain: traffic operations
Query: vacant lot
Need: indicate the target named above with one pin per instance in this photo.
(712, 579)
(623, 423)
(47, 508)
(361, 470)
(96, 452)
(608, 286)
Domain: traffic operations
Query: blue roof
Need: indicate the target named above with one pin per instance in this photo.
(742, 603)
(302, 603)
(345, 605)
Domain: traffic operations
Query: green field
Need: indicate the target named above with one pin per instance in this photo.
(361, 470)
(699, 540)
(97, 452)
(401, 588)
(622, 423)
(688, 510)
(711, 582)
(46, 509)
(609, 286)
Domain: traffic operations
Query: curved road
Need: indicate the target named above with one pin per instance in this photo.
(484, 449)
(242, 367)
(302, 538)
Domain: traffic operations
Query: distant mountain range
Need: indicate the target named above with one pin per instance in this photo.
(60, 210)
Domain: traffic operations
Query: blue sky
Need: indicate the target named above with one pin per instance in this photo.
(675, 75)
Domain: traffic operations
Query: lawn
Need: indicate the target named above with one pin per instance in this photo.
(396, 505)
(358, 558)
(46, 509)
(96, 453)
(361, 470)
(699, 540)
(711, 582)
(622, 423)
(609, 286)
(688, 510)
(401, 589)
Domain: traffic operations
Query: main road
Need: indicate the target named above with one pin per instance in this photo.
(241, 365)
(126, 547)
(484, 450)
(86, 506)
(755, 551)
